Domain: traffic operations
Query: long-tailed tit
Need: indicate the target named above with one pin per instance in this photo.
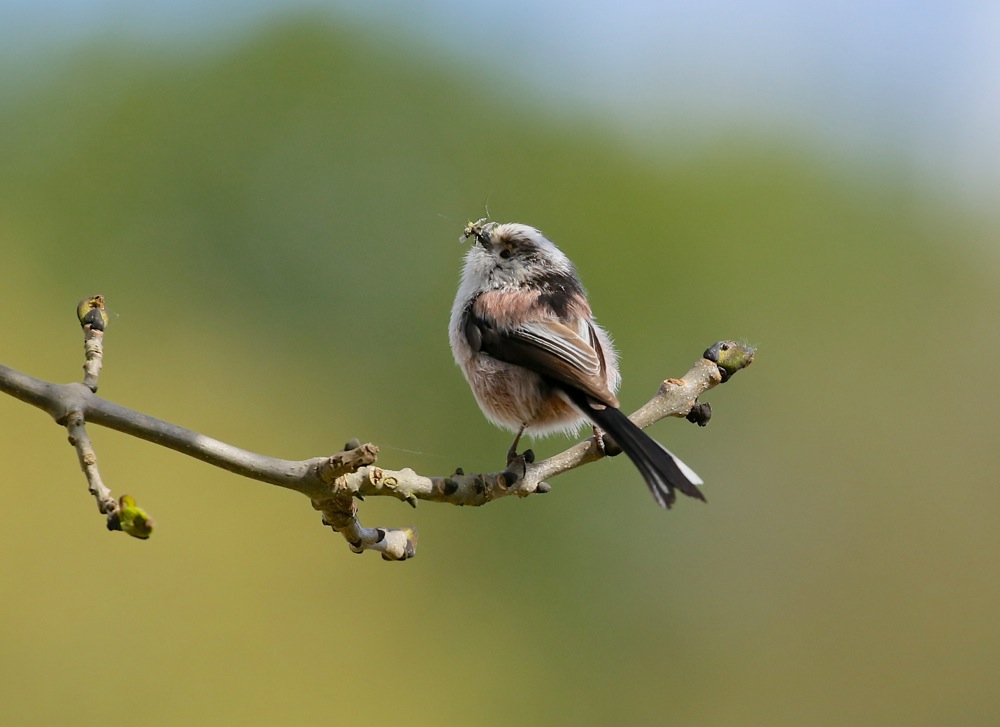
(524, 335)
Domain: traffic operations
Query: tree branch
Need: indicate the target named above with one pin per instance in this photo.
(332, 483)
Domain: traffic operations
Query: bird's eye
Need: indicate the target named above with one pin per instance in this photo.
(505, 253)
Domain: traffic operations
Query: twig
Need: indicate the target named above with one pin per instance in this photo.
(77, 430)
(93, 318)
(676, 397)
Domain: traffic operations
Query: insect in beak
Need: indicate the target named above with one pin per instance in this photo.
(481, 231)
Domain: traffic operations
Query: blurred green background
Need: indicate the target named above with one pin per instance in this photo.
(274, 217)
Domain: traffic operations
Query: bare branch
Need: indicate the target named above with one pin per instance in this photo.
(675, 398)
(88, 463)
(341, 514)
(332, 483)
(93, 318)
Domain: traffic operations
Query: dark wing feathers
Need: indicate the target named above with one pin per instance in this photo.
(549, 348)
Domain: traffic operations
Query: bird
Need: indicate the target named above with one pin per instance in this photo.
(523, 333)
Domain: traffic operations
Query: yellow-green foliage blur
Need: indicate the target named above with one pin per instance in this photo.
(275, 228)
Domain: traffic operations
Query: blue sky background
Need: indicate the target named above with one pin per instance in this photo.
(918, 83)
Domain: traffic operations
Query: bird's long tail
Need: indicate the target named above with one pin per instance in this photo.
(663, 472)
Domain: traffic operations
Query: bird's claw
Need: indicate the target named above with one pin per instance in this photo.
(605, 444)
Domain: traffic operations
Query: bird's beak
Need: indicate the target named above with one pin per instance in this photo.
(481, 231)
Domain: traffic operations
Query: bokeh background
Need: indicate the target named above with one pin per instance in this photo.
(270, 196)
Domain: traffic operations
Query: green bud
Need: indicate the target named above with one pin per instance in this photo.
(730, 357)
(133, 519)
(92, 311)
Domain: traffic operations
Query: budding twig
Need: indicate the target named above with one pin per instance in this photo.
(93, 318)
(77, 430)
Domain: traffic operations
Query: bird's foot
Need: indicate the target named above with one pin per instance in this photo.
(605, 444)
